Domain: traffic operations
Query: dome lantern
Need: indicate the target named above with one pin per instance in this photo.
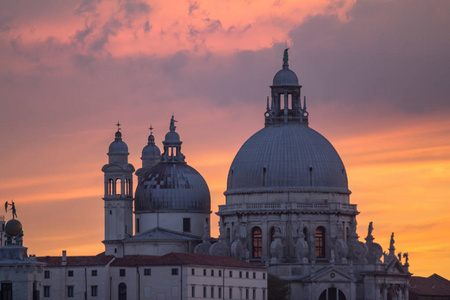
(286, 106)
(172, 145)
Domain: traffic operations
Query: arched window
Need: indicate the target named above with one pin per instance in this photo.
(320, 242)
(118, 187)
(332, 294)
(257, 242)
(122, 291)
(110, 186)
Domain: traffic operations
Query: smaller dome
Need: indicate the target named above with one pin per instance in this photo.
(172, 137)
(285, 77)
(151, 150)
(118, 146)
(13, 227)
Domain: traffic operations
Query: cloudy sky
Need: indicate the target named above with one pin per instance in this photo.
(376, 74)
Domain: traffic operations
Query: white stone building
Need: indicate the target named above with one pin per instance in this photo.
(174, 276)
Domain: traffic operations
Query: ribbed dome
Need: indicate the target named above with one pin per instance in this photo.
(172, 186)
(285, 77)
(118, 146)
(287, 157)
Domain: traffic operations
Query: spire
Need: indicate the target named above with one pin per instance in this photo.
(118, 133)
(285, 59)
(151, 138)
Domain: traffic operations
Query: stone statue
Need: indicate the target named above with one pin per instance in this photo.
(13, 208)
(399, 257)
(172, 124)
(391, 244)
(405, 255)
(285, 57)
(370, 229)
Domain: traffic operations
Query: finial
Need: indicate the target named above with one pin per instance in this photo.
(118, 126)
(285, 59)
(172, 124)
(151, 129)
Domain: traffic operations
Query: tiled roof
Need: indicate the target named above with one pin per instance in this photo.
(182, 259)
(96, 260)
(434, 285)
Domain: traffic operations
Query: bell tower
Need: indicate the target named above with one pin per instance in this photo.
(118, 196)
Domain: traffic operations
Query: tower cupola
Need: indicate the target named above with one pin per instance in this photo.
(151, 154)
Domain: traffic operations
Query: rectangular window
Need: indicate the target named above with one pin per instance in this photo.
(94, 290)
(246, 294)
(175, 271)
(264, 294)
(212, 292)
(70, 291)
(219, 293)
(204, 272)
(246, 274)
(231, 274)
(230, 292)
(193, 292)
(212, 272)
(46, 291)
(240, 274)
(137, 226)
(187, 224)
(193, 272)
(204, 292)
(46, 274)
(147, 272)
(70, 273)
(254, 275)
(264, 275)
(220, 273)
(122, 273)
(94, 273)
(254, 294)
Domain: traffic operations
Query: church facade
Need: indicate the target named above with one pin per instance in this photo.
(287, 213)
(288, 208)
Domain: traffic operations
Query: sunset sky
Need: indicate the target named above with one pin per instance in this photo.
(376, 74)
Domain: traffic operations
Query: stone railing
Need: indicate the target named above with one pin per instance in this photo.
(307, 207)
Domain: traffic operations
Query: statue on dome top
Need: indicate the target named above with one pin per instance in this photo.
(172, 124)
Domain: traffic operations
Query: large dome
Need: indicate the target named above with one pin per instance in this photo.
(172, 186)
(287, 157)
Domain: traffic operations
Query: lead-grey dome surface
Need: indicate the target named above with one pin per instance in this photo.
(172, 186)
(118, 146)
(285, 77)
(287, 157)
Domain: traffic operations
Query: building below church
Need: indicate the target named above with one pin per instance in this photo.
(287, 213)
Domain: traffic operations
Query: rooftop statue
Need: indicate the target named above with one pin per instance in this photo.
(13, 208)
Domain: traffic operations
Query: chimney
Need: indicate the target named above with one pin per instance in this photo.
(64, 258)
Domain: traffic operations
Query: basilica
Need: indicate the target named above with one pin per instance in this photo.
(287, 213)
